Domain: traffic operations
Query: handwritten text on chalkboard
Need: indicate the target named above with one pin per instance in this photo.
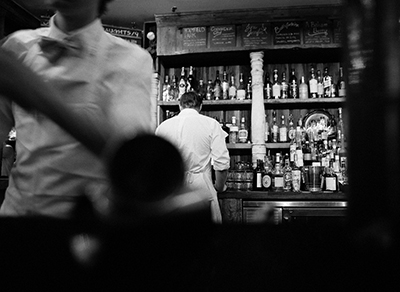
(194, 37)
(286, 33)
(317, 32)
(255, 34)
(223, 36)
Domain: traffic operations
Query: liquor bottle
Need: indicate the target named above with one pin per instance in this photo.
(227, 130)
(287, 175)
(296, 175)
(209, 90)
(277, 174)
(233, 131)
(293, 86)
(166, 88)
(329, 179)
(267, 177)
(303, 89)
(291, 130)
(284, 87)
(313, 84)
(241, 92)
(266, 137)
(320, 85)
(201, 89)
(258, 175)
(174, 89)
(243, 133)
(225, 86)
(217, 87)
(327, 82)
(182, 83)
(191, 81)
(307, 153)
(274, 130)
(249, 90)
(276, 86)
(341, 85)
(267, 87)
(340, 129)
(232, 88)
(283, 137)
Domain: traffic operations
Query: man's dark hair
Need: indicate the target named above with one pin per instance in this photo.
(191, 100)
(103, 6)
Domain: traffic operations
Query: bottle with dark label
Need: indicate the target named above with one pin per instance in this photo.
(267, 87)
(293, 85)
(257, 176)
(217, 87)
(267, 177)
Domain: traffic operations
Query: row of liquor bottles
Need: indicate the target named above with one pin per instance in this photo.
(287, 173)
(280, 86)
(323, 127)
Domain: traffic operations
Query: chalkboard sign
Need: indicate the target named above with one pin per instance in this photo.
(337, 31)
(129, 34)
(287, 33)
(317, 32)
(256, 34)
(223, 36)
(195, 37)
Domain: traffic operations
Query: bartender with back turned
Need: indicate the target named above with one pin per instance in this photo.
(201, 142)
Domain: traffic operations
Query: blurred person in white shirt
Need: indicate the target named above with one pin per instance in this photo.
(201, 142)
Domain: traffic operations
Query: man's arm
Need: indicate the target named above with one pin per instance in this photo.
(220, 180)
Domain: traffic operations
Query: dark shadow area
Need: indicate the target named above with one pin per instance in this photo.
(187, 253)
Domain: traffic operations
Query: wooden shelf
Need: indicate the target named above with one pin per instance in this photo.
(310, 103)
(238, 145)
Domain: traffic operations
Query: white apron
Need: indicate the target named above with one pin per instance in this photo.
(201, 181)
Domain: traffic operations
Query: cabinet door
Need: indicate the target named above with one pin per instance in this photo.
(231, 210)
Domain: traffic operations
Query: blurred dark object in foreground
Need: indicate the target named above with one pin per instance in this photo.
(187, 254)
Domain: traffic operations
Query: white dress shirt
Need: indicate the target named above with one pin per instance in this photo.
(109, 83)
(201, 142)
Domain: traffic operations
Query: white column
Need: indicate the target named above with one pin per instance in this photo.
(257, 107)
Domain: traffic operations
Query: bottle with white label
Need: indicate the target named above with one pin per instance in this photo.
(277, 175)
(243, 133)
(283, 137)
(233, 131)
